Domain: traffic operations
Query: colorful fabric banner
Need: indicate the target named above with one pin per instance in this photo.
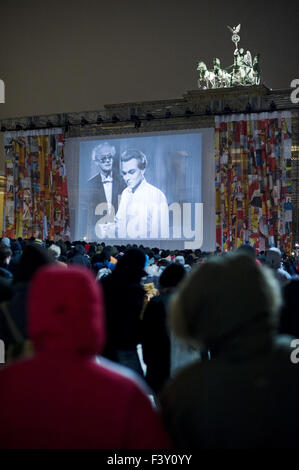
(253, 180)
(36, 199)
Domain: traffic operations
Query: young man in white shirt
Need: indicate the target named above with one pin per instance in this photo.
(143, 210)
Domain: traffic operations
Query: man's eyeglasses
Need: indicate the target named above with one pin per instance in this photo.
(106, 158)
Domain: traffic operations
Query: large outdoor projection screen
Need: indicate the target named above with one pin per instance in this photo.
(155, 189)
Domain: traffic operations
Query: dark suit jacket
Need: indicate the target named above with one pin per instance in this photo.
(94, 194)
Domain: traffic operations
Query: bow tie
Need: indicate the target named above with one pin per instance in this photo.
(107, 179)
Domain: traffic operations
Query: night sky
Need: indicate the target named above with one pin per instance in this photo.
(69, 55)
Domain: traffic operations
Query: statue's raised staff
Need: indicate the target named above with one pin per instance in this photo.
(235, 37)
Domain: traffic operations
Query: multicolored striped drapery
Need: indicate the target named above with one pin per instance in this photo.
(36, 198)
(253, 180)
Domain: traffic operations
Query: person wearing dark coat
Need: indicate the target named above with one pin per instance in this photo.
(124, 298)
(80, 257)
(102, 261)
(5, 256)
(155, 331)
(16, 248)
(61, 398)
(5, 290)
(289, 317)
(246, 394)
(32, 259)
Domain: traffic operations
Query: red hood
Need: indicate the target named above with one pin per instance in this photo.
(66, 311)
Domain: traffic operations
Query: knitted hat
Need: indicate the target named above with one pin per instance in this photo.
(5, 241)
(179, 260)
(38, 242)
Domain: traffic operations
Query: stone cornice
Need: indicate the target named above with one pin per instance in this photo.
(226, 93)
(193, 109)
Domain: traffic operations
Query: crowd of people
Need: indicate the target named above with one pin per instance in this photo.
(92, 332)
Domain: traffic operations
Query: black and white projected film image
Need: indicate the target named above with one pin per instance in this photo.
(140, 188)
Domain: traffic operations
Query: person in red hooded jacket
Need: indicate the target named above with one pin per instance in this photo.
(61, 397)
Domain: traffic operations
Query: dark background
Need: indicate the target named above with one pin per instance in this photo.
(70, 55)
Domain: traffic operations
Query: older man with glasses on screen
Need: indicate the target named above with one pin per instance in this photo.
(104, 188)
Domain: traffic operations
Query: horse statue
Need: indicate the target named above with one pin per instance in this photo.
(222, 77)
(205, 75)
